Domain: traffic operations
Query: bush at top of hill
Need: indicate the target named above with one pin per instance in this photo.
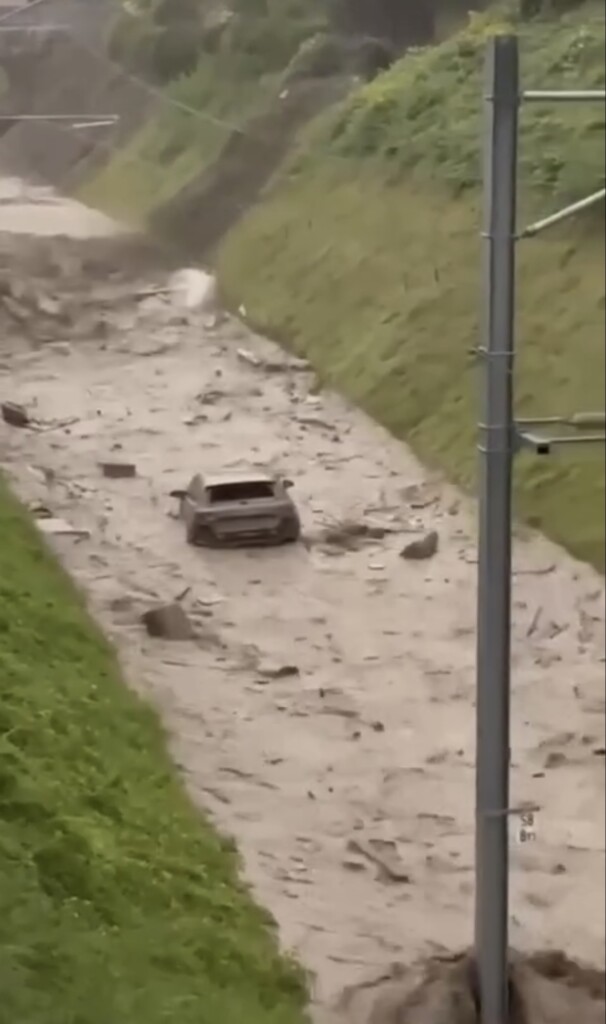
(165, 38)
(424, 115)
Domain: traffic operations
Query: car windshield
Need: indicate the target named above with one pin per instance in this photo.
(241, 490)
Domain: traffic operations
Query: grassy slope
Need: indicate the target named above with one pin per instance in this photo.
(176, 145)
(117, 903)
(366, 258)
(226, 89)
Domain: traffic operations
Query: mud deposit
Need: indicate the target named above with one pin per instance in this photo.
(324, 711)
(545, 988)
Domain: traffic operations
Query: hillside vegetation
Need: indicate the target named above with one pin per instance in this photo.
(216, 72)
(221, 65)
(365, 257)
(117, 902)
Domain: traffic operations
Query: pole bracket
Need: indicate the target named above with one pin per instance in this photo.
(579, 426)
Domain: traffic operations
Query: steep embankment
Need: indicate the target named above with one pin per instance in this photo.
(366, 259)
(116, 902)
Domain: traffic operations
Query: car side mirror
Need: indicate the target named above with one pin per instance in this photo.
(288, 484)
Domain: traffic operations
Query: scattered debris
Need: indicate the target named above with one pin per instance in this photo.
(41, 512)
(285, 365)
(248, 357)
(15, 415)
(54, 527)
(50, 425)
(210, 397)
(168, 622)
(314, 421)
(384, 854)
(61, 348)
(353, 864)
(545, 570)
(272, 365)
(279, 671)
(118, 470)
(534, 625)
(336, 702)
(347, 535)
(556, 759)
(422, 495)
(422, 549)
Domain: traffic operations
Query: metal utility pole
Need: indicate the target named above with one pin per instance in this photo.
(500, 438)
(494, 560)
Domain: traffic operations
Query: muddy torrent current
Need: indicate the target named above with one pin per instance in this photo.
(324, 712)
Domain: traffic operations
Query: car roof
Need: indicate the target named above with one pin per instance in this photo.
(220, 479)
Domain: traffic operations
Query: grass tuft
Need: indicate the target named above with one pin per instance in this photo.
(423, 118)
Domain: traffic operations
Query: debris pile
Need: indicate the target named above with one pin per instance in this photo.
(347, 535)
(546, 988)
(59, 289)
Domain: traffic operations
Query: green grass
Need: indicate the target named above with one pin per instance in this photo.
(117, 901)
(424, 118)
(227, 87)
(366, 258)
(174, 146)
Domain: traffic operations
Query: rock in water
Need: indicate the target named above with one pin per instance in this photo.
(118, 470)
(168, 622)
(15, 415)
(423, 549)
(194, 289)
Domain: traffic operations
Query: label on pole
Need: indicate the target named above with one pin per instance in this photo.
(527, 827)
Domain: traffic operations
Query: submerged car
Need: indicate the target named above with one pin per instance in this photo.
(238, 510)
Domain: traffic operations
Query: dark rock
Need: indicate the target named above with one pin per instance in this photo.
(15, 415)
(279, 671)
(423, 549)
(168, 622)
(118, 470)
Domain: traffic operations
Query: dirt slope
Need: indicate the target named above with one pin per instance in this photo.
(201, 215)
(348, 783)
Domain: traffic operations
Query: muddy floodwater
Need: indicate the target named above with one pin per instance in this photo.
(27, 209)
(325, 717)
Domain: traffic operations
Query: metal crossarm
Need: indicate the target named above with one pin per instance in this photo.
(564, 96)
(93, 119)
(542, 444)
(501, 437)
